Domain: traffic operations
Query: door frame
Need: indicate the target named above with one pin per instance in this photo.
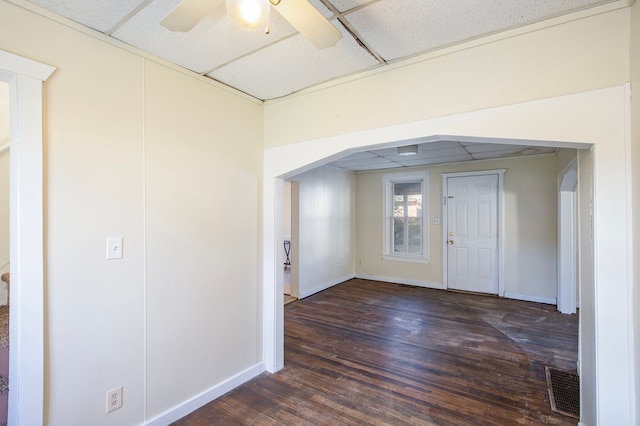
(567, 239)
(26, 322)
(445, 222)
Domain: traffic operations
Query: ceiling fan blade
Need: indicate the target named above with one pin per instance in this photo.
(188, 13)
(311, 23)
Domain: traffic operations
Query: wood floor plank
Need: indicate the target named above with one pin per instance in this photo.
(374, 353)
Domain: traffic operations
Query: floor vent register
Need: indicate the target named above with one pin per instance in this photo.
(564, 391)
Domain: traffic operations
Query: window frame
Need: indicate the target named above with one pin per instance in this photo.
(388, 181)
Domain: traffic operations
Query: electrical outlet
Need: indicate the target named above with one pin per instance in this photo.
(114, 399)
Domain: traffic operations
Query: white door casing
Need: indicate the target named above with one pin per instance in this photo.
(26, 334)
(472, 240)
(567, 240)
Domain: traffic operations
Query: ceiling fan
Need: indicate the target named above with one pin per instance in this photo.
(253, 14)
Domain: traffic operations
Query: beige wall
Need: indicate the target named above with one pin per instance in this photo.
(173, 164)
(324, 249)
(530, 226)
(202, 178)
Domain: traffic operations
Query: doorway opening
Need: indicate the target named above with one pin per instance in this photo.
(290, 288)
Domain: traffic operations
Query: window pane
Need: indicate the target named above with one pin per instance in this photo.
(414, 205)
(398, 234)
(398, 205)
(407, 214)
(415, 235)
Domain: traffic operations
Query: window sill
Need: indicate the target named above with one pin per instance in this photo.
(405, 258)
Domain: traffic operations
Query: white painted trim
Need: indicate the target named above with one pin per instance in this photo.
(273, 285)
(567, 268)
(405, 258)
(613, 267)
(26, 336)
(190, 405)
(501, 226)
(393, 280)
(530, 298)
(24, 67)
(326, 285)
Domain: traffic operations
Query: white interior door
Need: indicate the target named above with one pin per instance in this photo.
(472, 233)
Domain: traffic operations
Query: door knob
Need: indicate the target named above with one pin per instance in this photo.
(450, 241)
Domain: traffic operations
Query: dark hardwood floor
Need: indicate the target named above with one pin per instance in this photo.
(373, 353)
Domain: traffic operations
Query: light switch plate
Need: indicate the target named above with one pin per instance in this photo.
(114, 248)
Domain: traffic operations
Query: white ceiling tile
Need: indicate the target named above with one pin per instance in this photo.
(349, 162)
(391, 29)
(438, 160)
(437, 146)
(360, 155)
(320, 7)
(292, 65)
(381, 166)
(515, 152)
(215, 41)
(345, 5)
(385, 152)
(101, 15)
(490, 147)
(399, 29)
(438, 152)
(445, 152)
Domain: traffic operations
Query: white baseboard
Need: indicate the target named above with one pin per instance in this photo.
(531, 298)
(325, 286)
(181, 410)
(415, 283)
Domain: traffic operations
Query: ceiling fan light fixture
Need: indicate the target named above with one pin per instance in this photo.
(408, 150)
(249, 14)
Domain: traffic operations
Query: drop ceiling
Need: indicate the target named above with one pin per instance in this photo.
(435, 152)
(376, 33)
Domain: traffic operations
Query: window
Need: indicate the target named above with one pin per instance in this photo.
(405, 204)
